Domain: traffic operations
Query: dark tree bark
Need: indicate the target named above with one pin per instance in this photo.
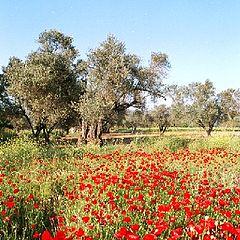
(210, 126)
(90, 133)
(162, 128)
(134, 129)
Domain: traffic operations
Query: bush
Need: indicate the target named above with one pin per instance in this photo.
(6, 135)
(177, 143)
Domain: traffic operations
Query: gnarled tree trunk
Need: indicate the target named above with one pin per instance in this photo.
(84, 129)
(91, 133)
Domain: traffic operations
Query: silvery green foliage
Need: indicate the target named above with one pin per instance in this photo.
(230, 102)
(116, 80)
(179, 108)
(45, 83)
(204, 106)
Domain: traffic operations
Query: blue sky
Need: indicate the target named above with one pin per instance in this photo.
(201, 37)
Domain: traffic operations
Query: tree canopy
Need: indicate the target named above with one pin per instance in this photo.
(205, 108)
(115, 81)
(44, 85)
(53, 87)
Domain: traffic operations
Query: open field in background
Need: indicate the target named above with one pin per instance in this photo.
(174, 132)
(170, 187)
(179, 129)
(125, 135)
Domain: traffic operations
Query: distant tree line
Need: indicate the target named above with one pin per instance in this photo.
(194, 105)
(55, 88)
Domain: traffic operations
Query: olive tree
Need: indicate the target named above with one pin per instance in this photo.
(115, 81)
(204, 105)
(134, 119)
(230, 102)
(161, 116)
(45, 83)
(179, 108)
(6, 107)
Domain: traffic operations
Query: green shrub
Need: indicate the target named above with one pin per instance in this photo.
(177, 143)
(6, 135)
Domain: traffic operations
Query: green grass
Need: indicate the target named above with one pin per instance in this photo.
(177, 129)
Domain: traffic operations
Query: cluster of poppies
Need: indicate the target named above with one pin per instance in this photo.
(131, 195)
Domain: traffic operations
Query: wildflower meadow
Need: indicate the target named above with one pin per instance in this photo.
(120, 192)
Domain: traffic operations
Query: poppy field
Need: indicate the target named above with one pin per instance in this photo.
(125, 193)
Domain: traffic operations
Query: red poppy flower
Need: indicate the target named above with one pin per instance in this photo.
(60, 235)
(86, 219)
(121, 233)
(30, 197)
(223, 202)
(16, 190)
(227, 213)
(228, 227)
(150, 236)
(36, 205)
(36, 235)
(10, 204)
(127, 219)
(89, 238)
(135, 227)
(176, 233)
(207, 237)
(237, 190)
(80, 232)
(199, 229)
(46, 235)
(3, 213)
